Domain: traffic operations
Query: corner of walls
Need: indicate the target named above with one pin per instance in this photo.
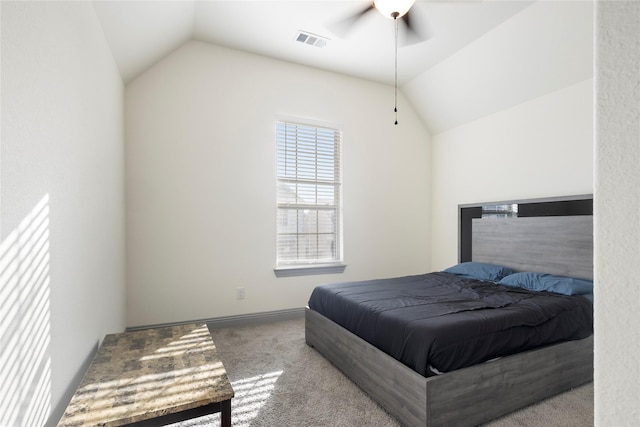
(507, 66)
(541, 148)
(62, 212)
(200, 166)
(496, 133)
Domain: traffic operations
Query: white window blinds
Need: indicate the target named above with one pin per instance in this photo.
(309, 199)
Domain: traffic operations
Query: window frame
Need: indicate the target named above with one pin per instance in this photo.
(311, 266)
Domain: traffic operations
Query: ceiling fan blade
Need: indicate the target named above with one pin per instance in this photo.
(417, 29)
(342, 27)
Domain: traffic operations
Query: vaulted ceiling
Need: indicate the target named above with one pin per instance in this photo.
(518, 49)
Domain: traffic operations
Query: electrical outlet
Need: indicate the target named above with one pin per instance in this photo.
(239, 293)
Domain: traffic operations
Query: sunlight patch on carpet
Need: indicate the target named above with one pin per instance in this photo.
(251, 394)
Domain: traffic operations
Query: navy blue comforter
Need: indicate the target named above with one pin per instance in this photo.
(439, 322)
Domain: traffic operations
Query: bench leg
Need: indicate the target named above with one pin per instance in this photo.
(225, 413)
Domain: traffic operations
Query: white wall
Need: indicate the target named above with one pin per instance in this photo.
(200, 172)
(62, 210)
(617, 214)
(541, 148)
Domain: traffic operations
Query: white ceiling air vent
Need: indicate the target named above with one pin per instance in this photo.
(311, 39)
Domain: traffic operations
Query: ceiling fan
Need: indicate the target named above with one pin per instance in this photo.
(399, 11)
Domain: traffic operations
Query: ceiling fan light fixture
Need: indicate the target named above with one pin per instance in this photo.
(393, 9)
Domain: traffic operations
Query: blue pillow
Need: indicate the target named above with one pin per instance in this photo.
(549, 283)
(480, 271)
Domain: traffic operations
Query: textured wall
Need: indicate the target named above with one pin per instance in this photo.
(617, 214)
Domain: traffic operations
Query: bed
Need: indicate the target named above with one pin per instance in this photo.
(473, 392)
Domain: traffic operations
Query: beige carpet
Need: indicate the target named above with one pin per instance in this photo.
(280, 381)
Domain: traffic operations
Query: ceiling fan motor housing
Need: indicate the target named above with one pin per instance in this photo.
(393, 9)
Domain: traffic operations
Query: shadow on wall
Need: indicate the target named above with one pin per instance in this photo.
(25, 329)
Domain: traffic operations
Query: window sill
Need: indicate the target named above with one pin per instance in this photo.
(308, 270)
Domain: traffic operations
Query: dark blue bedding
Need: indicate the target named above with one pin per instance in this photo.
(440, 322)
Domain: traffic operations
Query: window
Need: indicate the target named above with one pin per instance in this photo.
(500, 211)
(309, 199)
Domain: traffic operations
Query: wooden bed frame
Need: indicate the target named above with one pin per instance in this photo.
(474, 395)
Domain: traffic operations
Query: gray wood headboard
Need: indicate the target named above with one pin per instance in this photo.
(553, 235)
(556, 244)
